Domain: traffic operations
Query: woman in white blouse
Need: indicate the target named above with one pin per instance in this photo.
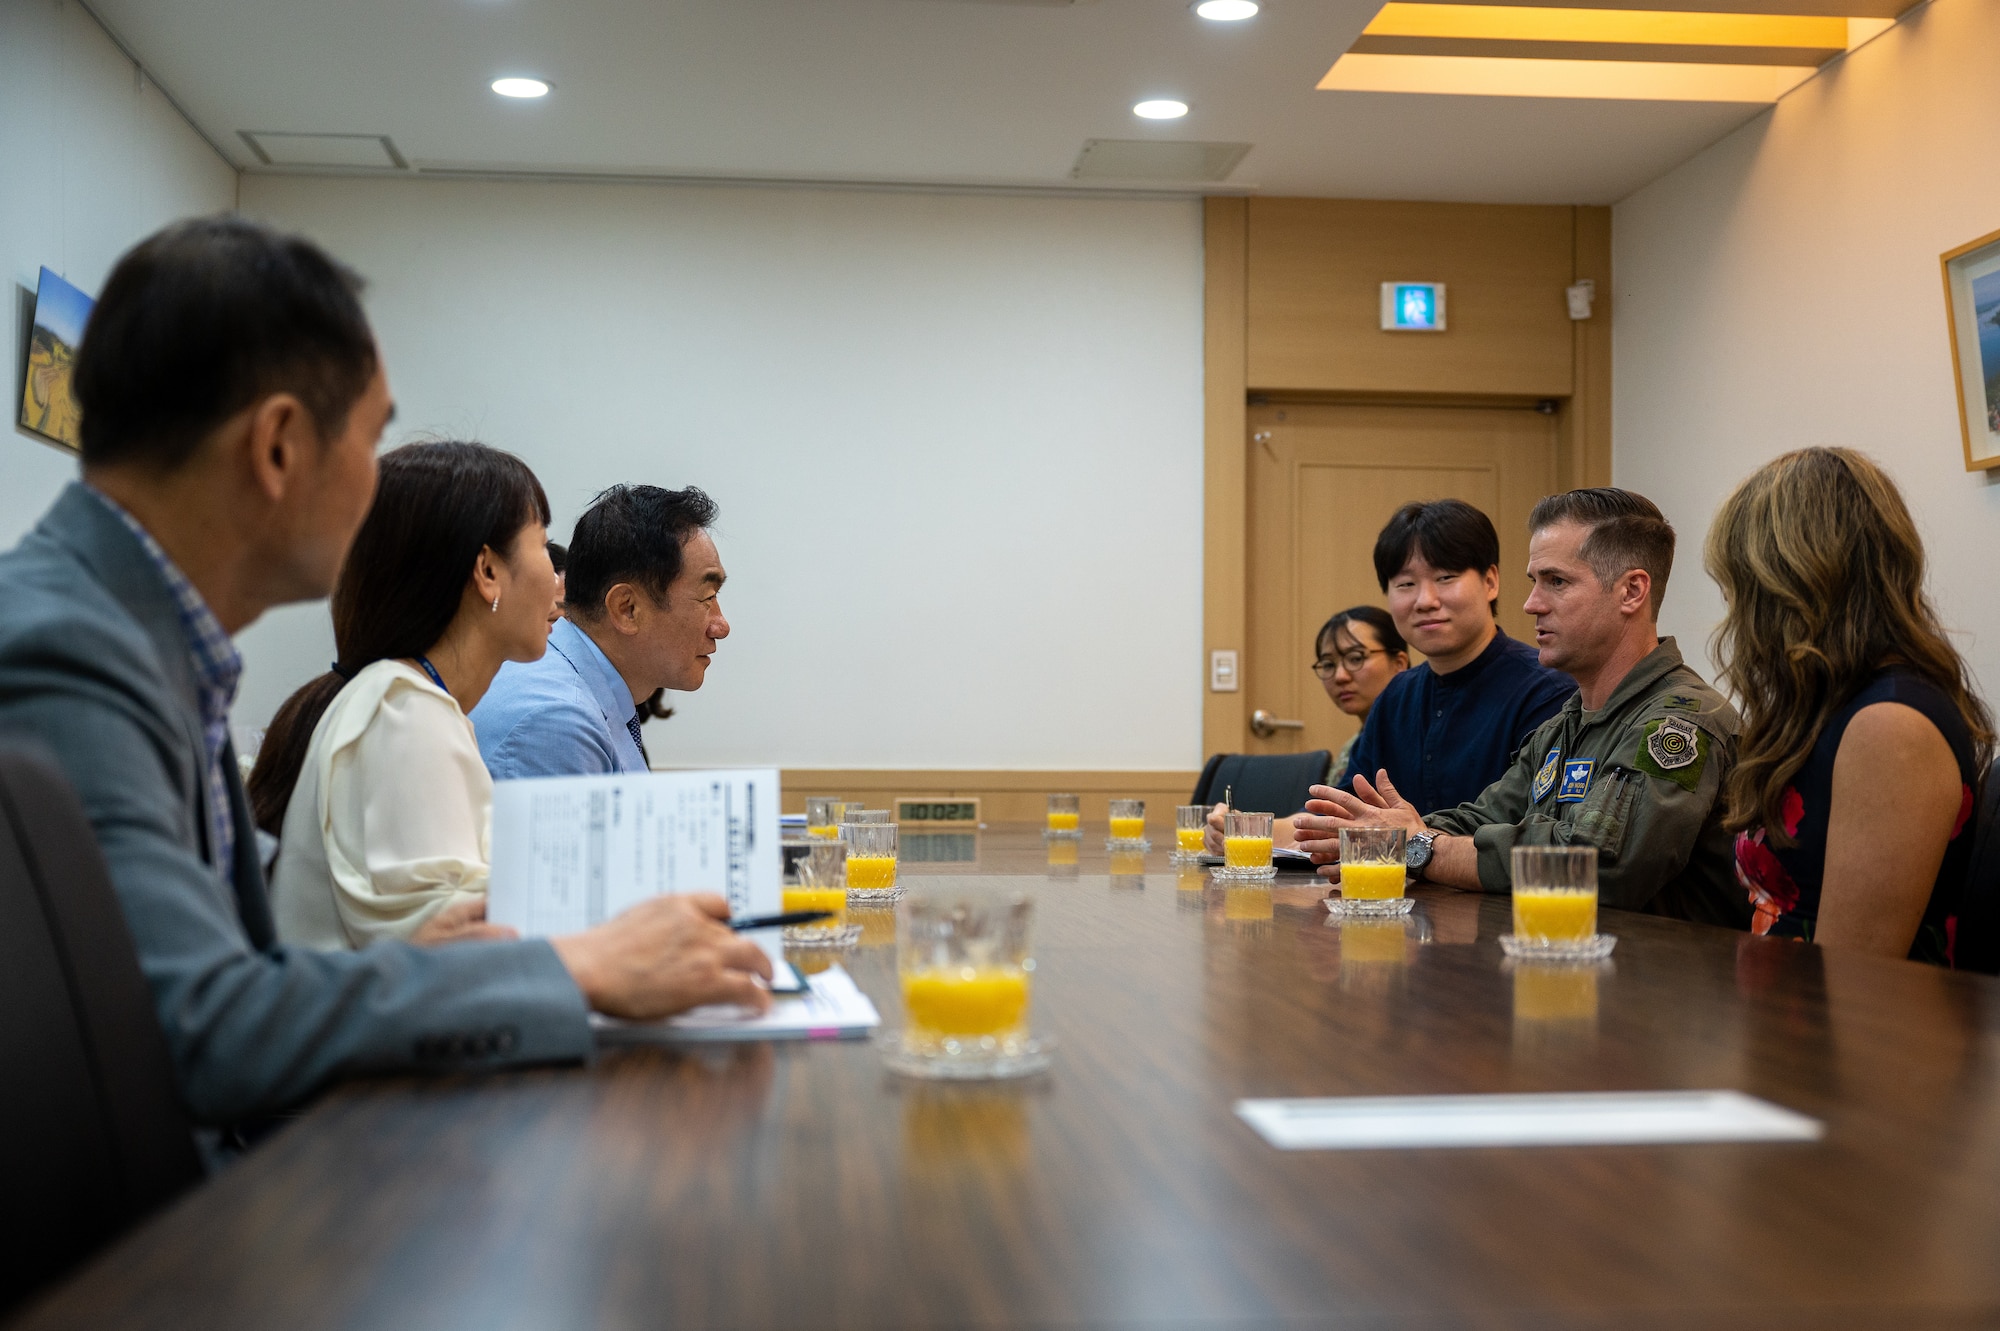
(370, 775)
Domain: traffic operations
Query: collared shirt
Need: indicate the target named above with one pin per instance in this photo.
(218, 668)
(1445, 738)
(568, 714)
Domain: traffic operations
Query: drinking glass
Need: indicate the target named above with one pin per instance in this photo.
(822, 886)
(1065, 817)
(1555, 905)
(1246, 848)
(854, 813)
(1128, 825)
(823, 817)
(1371, 872)
(871, 861)
(964, 961)
(1190, 833)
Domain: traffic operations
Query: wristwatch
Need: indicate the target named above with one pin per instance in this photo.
(1417, 852)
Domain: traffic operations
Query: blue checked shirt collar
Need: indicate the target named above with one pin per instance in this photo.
(218, 668)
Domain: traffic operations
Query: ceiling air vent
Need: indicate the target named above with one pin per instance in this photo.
(1157, 160)
(352, 151)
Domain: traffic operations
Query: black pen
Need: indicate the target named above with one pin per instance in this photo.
(774, 921)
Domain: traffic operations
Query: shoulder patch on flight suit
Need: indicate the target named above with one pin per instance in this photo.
(1675, 750)
(1680, 702)
(1546, 776)
(1575, 781)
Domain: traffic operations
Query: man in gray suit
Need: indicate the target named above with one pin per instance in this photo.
(232, 398)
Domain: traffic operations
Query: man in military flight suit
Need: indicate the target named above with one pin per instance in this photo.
(1632, 764)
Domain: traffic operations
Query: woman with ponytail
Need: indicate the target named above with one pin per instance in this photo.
(1863, 741)
(370, 775)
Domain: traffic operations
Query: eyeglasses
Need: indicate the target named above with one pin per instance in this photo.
(1349, 661)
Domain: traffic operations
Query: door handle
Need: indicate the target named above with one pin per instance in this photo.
(1263, 725)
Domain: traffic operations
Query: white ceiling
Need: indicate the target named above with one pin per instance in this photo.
(937, 92)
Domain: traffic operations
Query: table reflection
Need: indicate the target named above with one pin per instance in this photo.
(1063, 857)
(1128, 869)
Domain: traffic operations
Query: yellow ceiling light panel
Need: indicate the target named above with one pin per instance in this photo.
(1663, 27)
(1602, 34)
(1608, 80)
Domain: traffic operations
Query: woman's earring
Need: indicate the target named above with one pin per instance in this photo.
(496, 605)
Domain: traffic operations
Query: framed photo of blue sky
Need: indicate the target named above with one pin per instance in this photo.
(1972, 303)
(48, 408)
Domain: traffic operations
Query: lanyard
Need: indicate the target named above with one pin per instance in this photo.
(431, 670)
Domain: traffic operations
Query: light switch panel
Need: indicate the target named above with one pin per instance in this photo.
(1222, 672)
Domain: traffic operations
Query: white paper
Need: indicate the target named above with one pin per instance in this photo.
(831, 1008)
(571, 852)
(1595, 1118)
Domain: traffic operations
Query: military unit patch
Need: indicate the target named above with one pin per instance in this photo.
(1575, 781)
(1546, 777)
(1675, 749)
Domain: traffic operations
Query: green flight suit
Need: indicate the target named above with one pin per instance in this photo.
(1639, 779)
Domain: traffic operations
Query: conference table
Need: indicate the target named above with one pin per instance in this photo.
(803, 1185)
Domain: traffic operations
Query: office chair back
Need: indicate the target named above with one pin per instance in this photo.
(91, 1125)
(1977, 944)
(1275, 783)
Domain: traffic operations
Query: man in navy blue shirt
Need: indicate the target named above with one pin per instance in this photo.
(1449, 728)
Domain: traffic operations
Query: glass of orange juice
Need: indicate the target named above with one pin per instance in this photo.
(966, 971)
(822, 885)
(1065, 817)
(1246, 848)
(1371, 872)
(823, 817)
(1190, 833)
(1128, 825)
(871, 861)
(1555, 905)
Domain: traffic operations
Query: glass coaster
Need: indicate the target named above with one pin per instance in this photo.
(1594, 948)
(1117, 843)
(982, 1059)
(1262, 873)
(874, 896)
(820, 935)
(1184, 857)
(1063, 834)
(1364, 906)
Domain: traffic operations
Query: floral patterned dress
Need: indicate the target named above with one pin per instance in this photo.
(1784, 881)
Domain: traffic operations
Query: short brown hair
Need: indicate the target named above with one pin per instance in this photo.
(1626, 531)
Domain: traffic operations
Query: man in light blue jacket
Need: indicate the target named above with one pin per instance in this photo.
(642, 611)
(232, 398)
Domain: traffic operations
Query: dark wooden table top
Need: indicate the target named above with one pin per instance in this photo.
(804, 1186)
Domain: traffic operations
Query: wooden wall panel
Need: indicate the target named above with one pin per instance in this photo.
(1314, 269)
(1004, 796)
(1223, 472)
(1586, 417)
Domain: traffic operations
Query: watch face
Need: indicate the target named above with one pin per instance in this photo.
(1417, 852)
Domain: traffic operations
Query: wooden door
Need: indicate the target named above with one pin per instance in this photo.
(1322, 481)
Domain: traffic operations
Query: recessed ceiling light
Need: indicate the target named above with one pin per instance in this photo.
(1227, 11)
(521, 87)
(1162, 109)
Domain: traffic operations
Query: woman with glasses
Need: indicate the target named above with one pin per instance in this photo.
(1357, 653)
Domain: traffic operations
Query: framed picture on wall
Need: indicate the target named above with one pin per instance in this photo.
(48, 408)
(1972, 302)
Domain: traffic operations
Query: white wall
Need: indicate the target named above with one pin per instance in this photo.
(956, 441)
(1782, 289)
(94, 159)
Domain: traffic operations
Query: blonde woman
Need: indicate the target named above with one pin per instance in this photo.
(1862, 740)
